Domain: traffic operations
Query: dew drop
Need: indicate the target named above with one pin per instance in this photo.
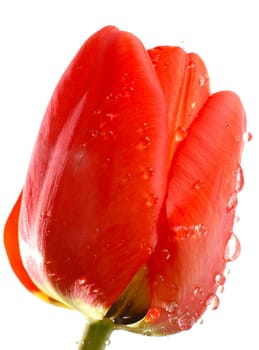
(200, 230)
(220, 289)
(220, 279)
(232, 203)
(232, 250)
(198, 184)
(247, 136)
(226, 271)
(151, 199)
(186, 321)
(154, 313)
(203, 79)
(147, 173)
(181, 231)
(80, 282)
(144, 143)
(198, 292)
(166, 254)
(46, 214)
(212, 302)
(107, 342)
(148, 332)
(228, 127)
(143, 128)
(239, 179)
(191, 65)
(94, 133)
(172, 307)
(193, 105)
(180, 134)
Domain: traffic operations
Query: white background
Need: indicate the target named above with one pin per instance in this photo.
(37, 41)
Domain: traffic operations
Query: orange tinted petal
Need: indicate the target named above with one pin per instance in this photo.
(189, 260)
(13, 252)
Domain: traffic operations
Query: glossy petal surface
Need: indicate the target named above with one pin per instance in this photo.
(100, 161)
(190, 254)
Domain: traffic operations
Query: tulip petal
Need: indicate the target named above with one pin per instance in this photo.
(13, 252)
(188, 264)
(96, 181)
(185, 83)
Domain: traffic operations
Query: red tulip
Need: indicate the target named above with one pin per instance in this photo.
(130, 197)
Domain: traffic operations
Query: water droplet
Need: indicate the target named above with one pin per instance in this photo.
(193, 105)
(203, 79)
(80, 282)
(200, 230)
(220, 289)
(46, 214)
(247, 136)
(220, 279)
(147, 173)
(148, 332)
(151, 199)
(233, 248)
(198, 184)
(107, 118)
(94, 133)
(154, 313)
(143, 128)
(107, 342)
(172, 307)
(239, 178)
(144, 143)
(186, 321)
(166, 254)
(181, 231)
(226, 271)
(180, 134)
(232, 203)
(191, 65)
(228, 127)
(198, 292)
(212, 302)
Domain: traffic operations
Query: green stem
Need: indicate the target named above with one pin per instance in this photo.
(96, 335)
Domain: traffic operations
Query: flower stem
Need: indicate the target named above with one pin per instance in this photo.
(96, 335)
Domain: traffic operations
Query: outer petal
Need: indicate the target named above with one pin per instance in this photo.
(96, 181)
(13, 252)
(187, 266)
(185, 83)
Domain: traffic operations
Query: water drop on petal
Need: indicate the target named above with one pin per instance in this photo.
(151, 199)
(232, 250)
(232, 203)
(166, 254)
(144, 143)
(198, 184)
(185, 321)
(147, 173)
(212, 302)
(220, 279)
(239, 179)
(180, 134)
(247, 136)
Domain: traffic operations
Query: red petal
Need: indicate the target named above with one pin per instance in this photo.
(97, 180)
(13, 252)
(189, 258)
(185, 83)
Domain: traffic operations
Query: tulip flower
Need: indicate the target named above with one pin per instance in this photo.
(127, 211)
